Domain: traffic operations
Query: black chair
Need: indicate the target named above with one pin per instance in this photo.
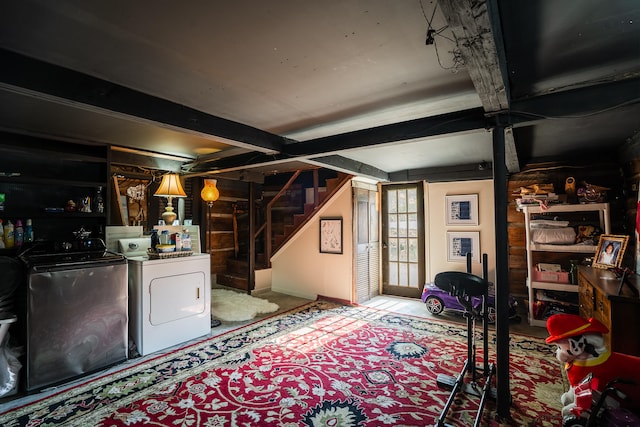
(465, 286)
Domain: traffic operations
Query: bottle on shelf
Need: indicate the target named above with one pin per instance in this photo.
(28, 231)
(8, 235)
(18, 234)
(155, 240)
(99, 201)
(573, 272)
(186, 240)
(176, 239)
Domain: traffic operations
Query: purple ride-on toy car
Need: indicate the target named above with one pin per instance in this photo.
(438, 300)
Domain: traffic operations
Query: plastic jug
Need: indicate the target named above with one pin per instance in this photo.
(18, 234)
(9, 235)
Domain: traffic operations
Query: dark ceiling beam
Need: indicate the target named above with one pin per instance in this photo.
(475, 35)
(467, 172)
(459, 121)
(322, 151)
(145, 160)
(577, 102)
(230, 152)
(247, 160)
(496, 30)
(352, 167)
(37, 78)
(478, 32)
(510, 153)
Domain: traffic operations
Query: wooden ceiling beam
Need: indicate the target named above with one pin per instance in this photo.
(475, 33)
(477, 30)
(25, 75)
(442, 124)
(350, 166)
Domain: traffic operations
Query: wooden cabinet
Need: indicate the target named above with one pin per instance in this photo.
(39, 176)
(618, 308)
(547, 288)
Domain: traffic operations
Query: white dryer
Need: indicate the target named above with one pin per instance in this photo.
(169, 301)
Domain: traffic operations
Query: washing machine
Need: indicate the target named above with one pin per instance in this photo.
(169, 299)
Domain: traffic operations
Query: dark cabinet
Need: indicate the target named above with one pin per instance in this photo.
(618, 308)
(38, 177)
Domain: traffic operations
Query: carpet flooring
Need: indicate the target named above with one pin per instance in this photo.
(320, 364)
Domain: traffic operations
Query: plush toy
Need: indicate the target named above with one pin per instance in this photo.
(587, 234)
(582, 349)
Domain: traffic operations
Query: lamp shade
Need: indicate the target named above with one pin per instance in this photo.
(170, 187)
(210, 192)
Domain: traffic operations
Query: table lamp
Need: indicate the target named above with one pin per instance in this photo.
(170, 187)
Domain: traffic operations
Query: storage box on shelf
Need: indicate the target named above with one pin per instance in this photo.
(552, 291)
(551, 276)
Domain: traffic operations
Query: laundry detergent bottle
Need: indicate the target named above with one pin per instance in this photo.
(18, 234)
(8, 235)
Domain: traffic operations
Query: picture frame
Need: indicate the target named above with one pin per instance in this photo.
(610, 251)
(331, 235)
(462, 209)
(459, 243)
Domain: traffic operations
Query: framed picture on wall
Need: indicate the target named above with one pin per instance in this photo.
(462, 209)
(610, 251)
(460, 243)
(331, 235)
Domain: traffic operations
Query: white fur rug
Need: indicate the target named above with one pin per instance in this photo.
(235, 306)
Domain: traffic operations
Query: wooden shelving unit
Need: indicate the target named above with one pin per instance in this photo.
(38, 181)
(596, 214)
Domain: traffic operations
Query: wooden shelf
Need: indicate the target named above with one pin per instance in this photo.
(563, 248)
(550, 286)
(34, 177)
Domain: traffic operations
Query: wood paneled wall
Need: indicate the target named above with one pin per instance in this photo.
(219, 224)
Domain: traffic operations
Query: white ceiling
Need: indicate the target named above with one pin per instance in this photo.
(293, 71)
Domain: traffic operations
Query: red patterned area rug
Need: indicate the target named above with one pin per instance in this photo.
(324, 364)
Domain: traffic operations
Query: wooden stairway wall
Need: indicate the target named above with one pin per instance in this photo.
(289, 214)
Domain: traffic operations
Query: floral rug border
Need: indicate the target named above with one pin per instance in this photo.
(100, 395)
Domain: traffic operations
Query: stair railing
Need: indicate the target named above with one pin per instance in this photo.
(268, 245)
(267, 226)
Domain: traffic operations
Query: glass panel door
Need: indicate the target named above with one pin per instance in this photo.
(403, 239)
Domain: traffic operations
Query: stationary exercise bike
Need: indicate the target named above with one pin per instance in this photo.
(464, 286)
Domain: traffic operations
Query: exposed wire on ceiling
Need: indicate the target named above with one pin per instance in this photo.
(431, 39)
(577, 116)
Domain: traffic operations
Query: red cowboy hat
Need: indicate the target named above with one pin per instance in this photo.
(569, 325)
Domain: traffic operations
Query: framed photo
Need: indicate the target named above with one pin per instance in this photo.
(462, 210)
(331, 235)
(610, 251)
(460, 243)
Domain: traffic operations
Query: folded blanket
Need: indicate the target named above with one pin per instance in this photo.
(554, 235)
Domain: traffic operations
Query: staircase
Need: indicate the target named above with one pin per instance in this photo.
(285, 210)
